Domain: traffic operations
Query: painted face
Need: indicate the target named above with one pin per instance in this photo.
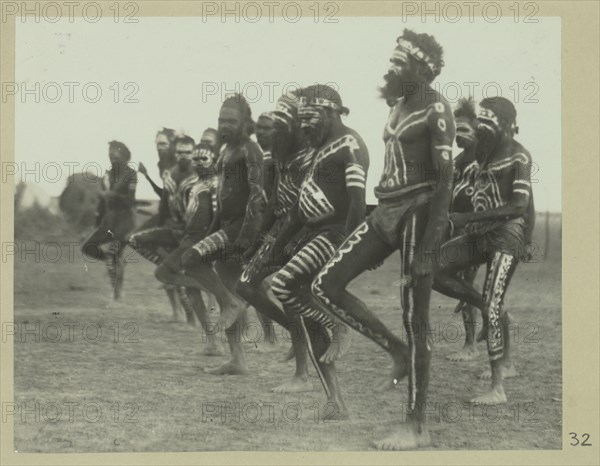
(465, 132)
(489, 134)
(401, 77)
(264, 132)
(162, 145)
(315, 122)
(202, 158)
(230, 124)
(183, 154)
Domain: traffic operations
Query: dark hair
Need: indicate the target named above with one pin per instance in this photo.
(122, 148)
(429, 46)
(238, 101)
(465, 108)
(168, 132)
(203, 145)
(184, 139)
(503, 108)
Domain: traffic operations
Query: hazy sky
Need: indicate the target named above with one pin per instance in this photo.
(174, 72)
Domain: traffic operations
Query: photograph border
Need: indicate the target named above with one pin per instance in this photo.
(580, 277)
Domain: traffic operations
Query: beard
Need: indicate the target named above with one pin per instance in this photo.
(163, 153)
(397, 86)
(316, 135)
(487, 143)
(184, 164)
(230, 135)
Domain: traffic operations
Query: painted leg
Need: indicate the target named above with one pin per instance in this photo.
(362, 250)
(499, 272)
(291, 286)
(412, 433)
(508, 367)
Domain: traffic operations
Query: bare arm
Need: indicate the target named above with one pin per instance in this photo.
(356, 164)
(256, 198)
(442, 131)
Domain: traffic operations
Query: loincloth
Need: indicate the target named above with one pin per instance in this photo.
(388, 219)
(507, 237)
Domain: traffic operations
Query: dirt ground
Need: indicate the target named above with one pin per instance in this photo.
(91, 379)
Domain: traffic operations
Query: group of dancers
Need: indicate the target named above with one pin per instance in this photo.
(242, 221)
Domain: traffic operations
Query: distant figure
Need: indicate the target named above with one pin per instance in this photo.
(115, 218)
(166, 157)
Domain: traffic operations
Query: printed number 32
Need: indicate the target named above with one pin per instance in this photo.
(575, 440)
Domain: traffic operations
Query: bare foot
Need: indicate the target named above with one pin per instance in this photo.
(507, 372)
(407, 437)
(212, 350)
(398, 372)
(339, 345)
(466, 353)
(229, 368)
(296, 385)
(288, 356)
(495, 396)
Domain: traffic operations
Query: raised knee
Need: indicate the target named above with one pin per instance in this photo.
(326, 290)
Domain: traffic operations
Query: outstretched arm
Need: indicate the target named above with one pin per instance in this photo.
(157, 189)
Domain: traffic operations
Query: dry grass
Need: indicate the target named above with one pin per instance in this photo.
(161, 374)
